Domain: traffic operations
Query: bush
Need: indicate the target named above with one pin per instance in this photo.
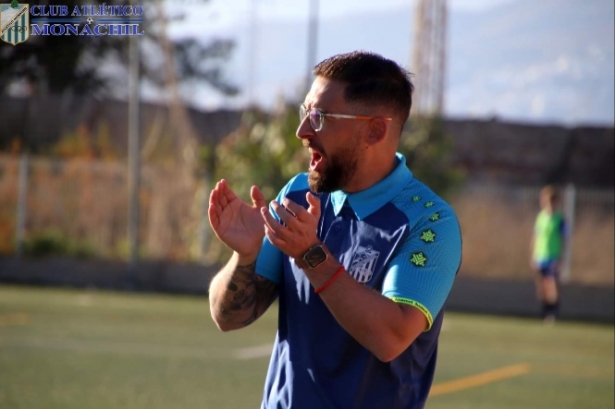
(55, 243)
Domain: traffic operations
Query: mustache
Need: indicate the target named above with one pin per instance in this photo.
(310, 145)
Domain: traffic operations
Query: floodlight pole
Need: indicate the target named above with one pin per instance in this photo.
(429, 57)
(312, 43)
(253, 32)
(134, 165)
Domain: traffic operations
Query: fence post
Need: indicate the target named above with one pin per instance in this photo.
(134, 159)
(207, 185)
(570, 195)
(22, 205)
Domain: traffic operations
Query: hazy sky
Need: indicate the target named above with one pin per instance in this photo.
(533, 62)
(221, 15)
(231, 10)
(244, 20)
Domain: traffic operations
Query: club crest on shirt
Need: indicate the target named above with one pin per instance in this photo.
(363, 264)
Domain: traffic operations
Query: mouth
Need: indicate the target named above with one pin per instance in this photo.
(316, 159)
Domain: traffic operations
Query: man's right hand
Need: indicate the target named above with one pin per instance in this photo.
(237, 224)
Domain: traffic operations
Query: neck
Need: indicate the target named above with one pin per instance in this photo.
(371, 171)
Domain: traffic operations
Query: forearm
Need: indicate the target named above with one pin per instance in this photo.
(382, 326)
(238, 296)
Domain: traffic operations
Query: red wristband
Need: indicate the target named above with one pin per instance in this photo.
(331, 280)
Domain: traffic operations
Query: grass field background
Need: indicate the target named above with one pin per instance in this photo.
(92, 349)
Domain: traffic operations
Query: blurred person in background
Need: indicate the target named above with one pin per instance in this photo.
(361, 255)
(547, 249)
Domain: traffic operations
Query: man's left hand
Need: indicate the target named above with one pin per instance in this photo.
(298, 233)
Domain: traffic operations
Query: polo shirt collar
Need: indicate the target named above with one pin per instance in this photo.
(367, 201)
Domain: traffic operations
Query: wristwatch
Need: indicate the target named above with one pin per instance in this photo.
(314, 256)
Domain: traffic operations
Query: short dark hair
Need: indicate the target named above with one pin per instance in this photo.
(550, 193)
(371, 79)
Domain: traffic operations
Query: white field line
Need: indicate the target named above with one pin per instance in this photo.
(259, 351)
(117, 348)
(204, 353)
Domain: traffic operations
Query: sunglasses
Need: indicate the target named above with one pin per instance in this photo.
(317, 117)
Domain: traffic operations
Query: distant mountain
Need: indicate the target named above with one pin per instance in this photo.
(529, 61)
(548, 60)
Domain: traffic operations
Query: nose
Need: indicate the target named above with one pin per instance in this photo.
(305, 130)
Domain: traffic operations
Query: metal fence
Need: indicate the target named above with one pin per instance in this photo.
(497, 224)
(84, 204)
(81, 206)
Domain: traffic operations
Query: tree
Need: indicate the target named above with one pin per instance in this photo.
(427, 146)
(71, 65)
(59, 64)
(51, 63)
(263, 151)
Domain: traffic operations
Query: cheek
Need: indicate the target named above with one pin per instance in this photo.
(340, 155)
(350, 143)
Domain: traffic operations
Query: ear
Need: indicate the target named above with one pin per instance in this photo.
(377, 131)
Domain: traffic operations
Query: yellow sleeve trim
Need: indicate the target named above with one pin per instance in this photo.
(419, 306)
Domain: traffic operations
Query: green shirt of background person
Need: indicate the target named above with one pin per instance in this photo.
(547, 249)
(548, 233)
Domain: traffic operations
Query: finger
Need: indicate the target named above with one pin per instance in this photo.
(218, 194)
(227, 193)
(212, 213)
(270, 222)
(314, 203)
(213, 195)
(273, 238)
(222, 186)
(258, 199)
(295, 209)
(214, 204)
(283, 213)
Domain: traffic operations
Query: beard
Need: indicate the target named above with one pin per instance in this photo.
(339, 170)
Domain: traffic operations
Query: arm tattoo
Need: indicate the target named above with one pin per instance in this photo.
(247, 293)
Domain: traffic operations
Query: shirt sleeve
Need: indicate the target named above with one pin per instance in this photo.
(269, 263)
(422, 272)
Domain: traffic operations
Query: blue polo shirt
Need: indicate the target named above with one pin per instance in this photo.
(397, 237)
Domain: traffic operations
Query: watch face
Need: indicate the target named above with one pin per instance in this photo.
(315, 256)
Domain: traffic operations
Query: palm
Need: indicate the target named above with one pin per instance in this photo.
(240, 223)
(237, 224)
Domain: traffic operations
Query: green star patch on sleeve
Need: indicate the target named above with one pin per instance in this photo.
(428, 236)
(429, 204)
(435, 217)
(416, 198)
(418, 259)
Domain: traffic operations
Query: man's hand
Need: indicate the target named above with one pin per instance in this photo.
(237, 224)
(299, 234)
